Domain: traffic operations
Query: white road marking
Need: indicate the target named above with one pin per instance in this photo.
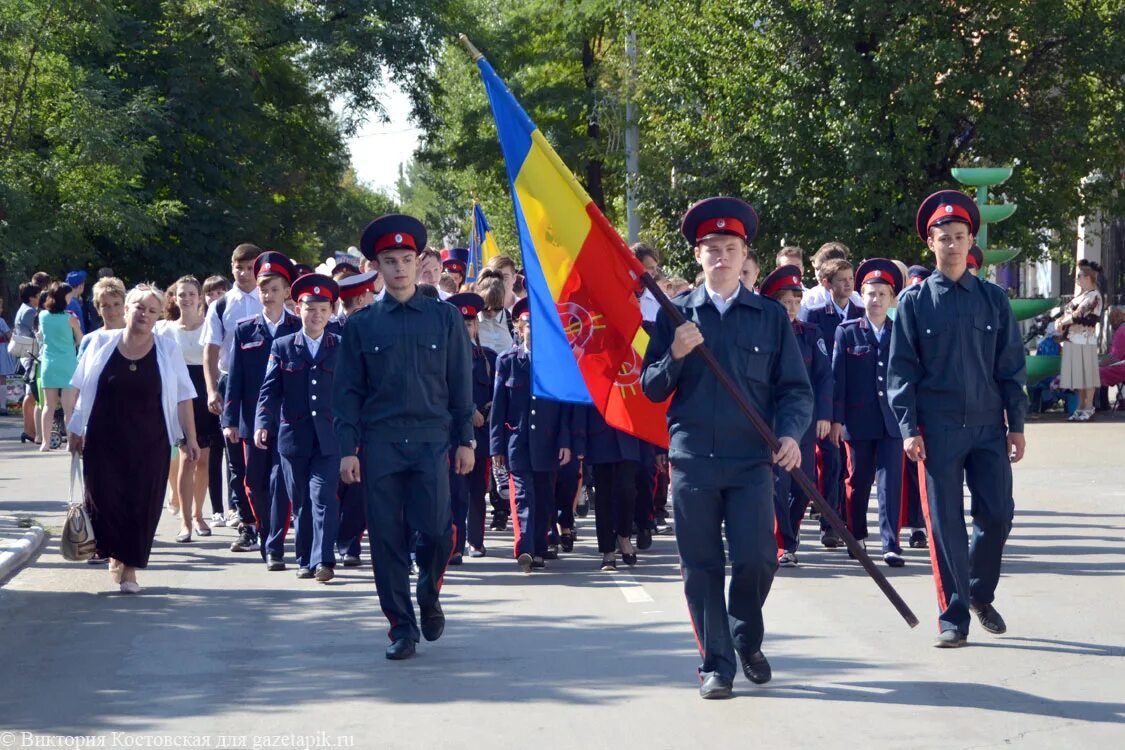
(633, 592)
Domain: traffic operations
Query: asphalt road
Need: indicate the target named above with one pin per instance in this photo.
(218, 652)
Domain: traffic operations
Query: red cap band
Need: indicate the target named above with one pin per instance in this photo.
(781, 283)
(724, 225)
(275, 268)
(949, 211)
(354, 291)
(877, 275)
(395, 239)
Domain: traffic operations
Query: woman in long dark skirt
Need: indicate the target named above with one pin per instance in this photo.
(135, 400)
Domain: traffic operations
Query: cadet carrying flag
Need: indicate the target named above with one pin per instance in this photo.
(482, 245)
(587, 342)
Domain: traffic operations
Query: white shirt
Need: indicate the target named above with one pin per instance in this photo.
(722, 305)
(313, 344)
(240, 305)
(649, 306)
(818, 297)
(272, 325)
(878, 331)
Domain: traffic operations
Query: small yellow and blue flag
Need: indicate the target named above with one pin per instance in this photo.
(482, 245)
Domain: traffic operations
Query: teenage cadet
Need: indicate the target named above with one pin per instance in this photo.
(720, 466)
(790, 501)
(403, 390)
(911, 495)
(974, 260)
(357, 291)
(957, 373)
(468, 512)
(295, 409)
(253, 338)
(615, 457)
(455, 261)
(217, 338)
(530, 437)
(916, 275)
(862, 415)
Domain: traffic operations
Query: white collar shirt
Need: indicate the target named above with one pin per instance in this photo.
(722, 305)
(220, 332)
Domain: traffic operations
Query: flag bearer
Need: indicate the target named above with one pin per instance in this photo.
(720, 466)
(295, 409)
(403, 391)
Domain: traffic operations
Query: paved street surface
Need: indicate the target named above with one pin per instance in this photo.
(574, 657)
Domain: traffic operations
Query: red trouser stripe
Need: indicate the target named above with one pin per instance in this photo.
(691, 618)
(517, 532)
(848, 491)
(923, 489)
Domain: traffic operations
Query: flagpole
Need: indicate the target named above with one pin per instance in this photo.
(766, 433)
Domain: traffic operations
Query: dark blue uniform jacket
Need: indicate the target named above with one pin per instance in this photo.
(605, 444)
(827, 319)
(859, 367)
(252, 345)
(957, 359)
(754, 342)
(814, 353)
(484, 377)
(528, 431)
(295, 403)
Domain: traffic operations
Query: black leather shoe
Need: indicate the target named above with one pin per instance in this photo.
(351, 561)
(756, 667)
(629, 559)
(275, 563)
(537, 563)
(304, 573)
(552, 552)
(644, 538)
(324, 574)
(715, 687)
(831, 539)
(401, 649)
(951, 639)
(457, 560)
(989, 618)
(566, 541)
(918, 539)
(432, 622)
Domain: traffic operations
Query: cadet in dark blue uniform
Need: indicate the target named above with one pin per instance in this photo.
(720, 465)
(357, 291)
(835, 311)
(253, 339)
(862, 413)
(790, 501)
(454, 261)
(911, 494)
(403, 392)
(615, 457)
(530, 437)
(295, 409)
(956, 386)
(468, 508)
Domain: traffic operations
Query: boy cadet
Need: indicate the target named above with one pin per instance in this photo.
(957, 373)
(295, 409)
(531, 438)
(468, 491)
(974, 260)
(790, 502)
(403, 391)
(720, 465)
(839, 278)
(217, 338)
(455, 261)
(862, 415)
(253, 338)
(357, 291)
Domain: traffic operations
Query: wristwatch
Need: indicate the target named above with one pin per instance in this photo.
(471, 444)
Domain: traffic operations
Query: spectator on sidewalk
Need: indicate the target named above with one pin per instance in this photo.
(109, 301)
(1080, 340)
(61, 335)
(26, 324)
(1112, 370)
(135, 399)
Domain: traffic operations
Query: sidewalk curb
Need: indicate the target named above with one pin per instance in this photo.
(15, 556)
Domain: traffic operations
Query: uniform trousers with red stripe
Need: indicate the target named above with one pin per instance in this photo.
(311, 483)
(877, 462)
(966, 570)
(708, 493)
(269, 500)
(790, 501)
(533, 507)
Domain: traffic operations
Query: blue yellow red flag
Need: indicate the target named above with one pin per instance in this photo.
(582, 280)
(482, 245)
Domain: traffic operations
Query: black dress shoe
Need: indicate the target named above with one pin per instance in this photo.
(566, 541)
(989, 618)
(401, 649)
(644, 538)
(324, 574)
(275, 564)
(457, 560)
(756, 667)
(432, 622)
(951, 639)
(552, 552)
(537, 563)
(918, 539)
(629, 559)
(715, 687)
(304, 573)
(351, 561)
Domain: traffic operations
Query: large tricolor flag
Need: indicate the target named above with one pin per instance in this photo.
(587, 342)
(482, 245)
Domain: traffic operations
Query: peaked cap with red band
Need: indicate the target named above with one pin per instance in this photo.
(975, 258)
(468, 303)
(943, 207)
(316, 287)
(782, 278)
(879, 271)
(302, 269)
(392, 232)
(273, 263)
(345, 267)
(356, 284)
(918, 274)
(521, 310)
(455, 259)
(720, 215)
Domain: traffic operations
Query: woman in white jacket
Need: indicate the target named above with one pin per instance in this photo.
(134, 401)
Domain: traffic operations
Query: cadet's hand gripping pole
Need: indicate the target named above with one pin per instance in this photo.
(774, 444)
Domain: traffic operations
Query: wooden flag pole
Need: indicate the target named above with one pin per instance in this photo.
(774, 444)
